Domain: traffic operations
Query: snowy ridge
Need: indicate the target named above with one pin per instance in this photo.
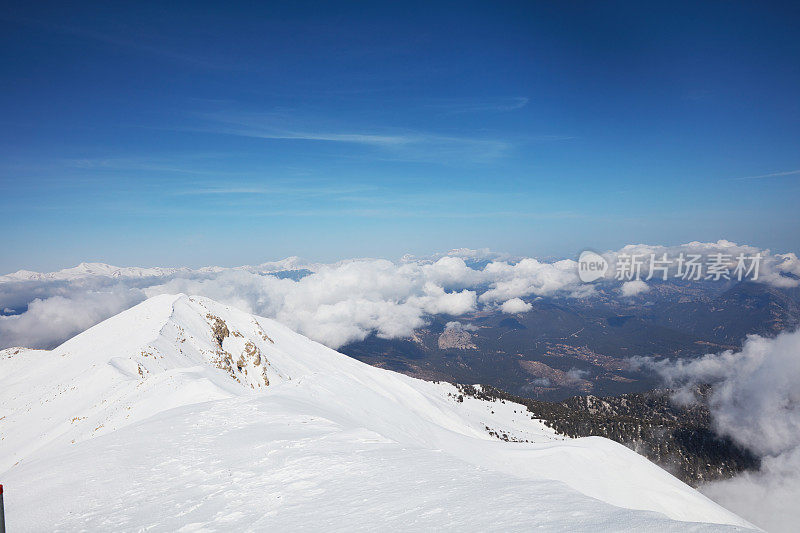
(84, 270)
(103, 270)
(184, 411)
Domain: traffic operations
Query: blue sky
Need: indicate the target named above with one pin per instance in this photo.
(191, 134)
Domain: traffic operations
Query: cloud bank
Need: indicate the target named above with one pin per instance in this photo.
(778, 270)
(333, 303)
(756, 402)
(49, 321)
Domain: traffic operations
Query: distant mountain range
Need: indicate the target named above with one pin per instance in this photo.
(85, 270)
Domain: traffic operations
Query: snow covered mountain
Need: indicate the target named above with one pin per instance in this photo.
(184, 413)
(103, 270)
(85, 270)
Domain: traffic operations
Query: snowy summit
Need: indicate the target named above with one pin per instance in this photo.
(185, 413)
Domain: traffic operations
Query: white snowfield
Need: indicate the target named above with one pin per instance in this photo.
(182, 414)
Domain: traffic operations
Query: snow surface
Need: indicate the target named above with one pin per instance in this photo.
(147, 421)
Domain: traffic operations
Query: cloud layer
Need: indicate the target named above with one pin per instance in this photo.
(332, 303)
(756, 402)
(51, 320)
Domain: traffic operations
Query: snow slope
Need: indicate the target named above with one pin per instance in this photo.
(185, 413)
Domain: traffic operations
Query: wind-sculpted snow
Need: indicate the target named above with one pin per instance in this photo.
(182, 412)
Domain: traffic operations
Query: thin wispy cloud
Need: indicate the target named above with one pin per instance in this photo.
(551, 138)
(397, 144)
(771, 175)
(173, 165)
(481, 105)
(357, 138)
(287, 198)
(272, 190)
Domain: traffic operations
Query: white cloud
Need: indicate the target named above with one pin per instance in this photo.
(788, 263)
(436, 301)
(397, 143)
(771, 175)
(342, 302)
(456, 106)
(336, 303)
(756, 402)
(768, 498)
(576, 374)
(452, 271)
(515, 305)
(778, 270)
(529, 277)
(632, 288)
(47, 322)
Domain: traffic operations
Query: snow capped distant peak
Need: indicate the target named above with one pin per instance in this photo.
(22, 275)
(176, 383)
(84, 270)
(88, 269)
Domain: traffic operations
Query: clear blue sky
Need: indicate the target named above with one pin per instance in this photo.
(190, 134)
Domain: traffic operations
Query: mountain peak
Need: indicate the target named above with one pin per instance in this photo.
(180, 372)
